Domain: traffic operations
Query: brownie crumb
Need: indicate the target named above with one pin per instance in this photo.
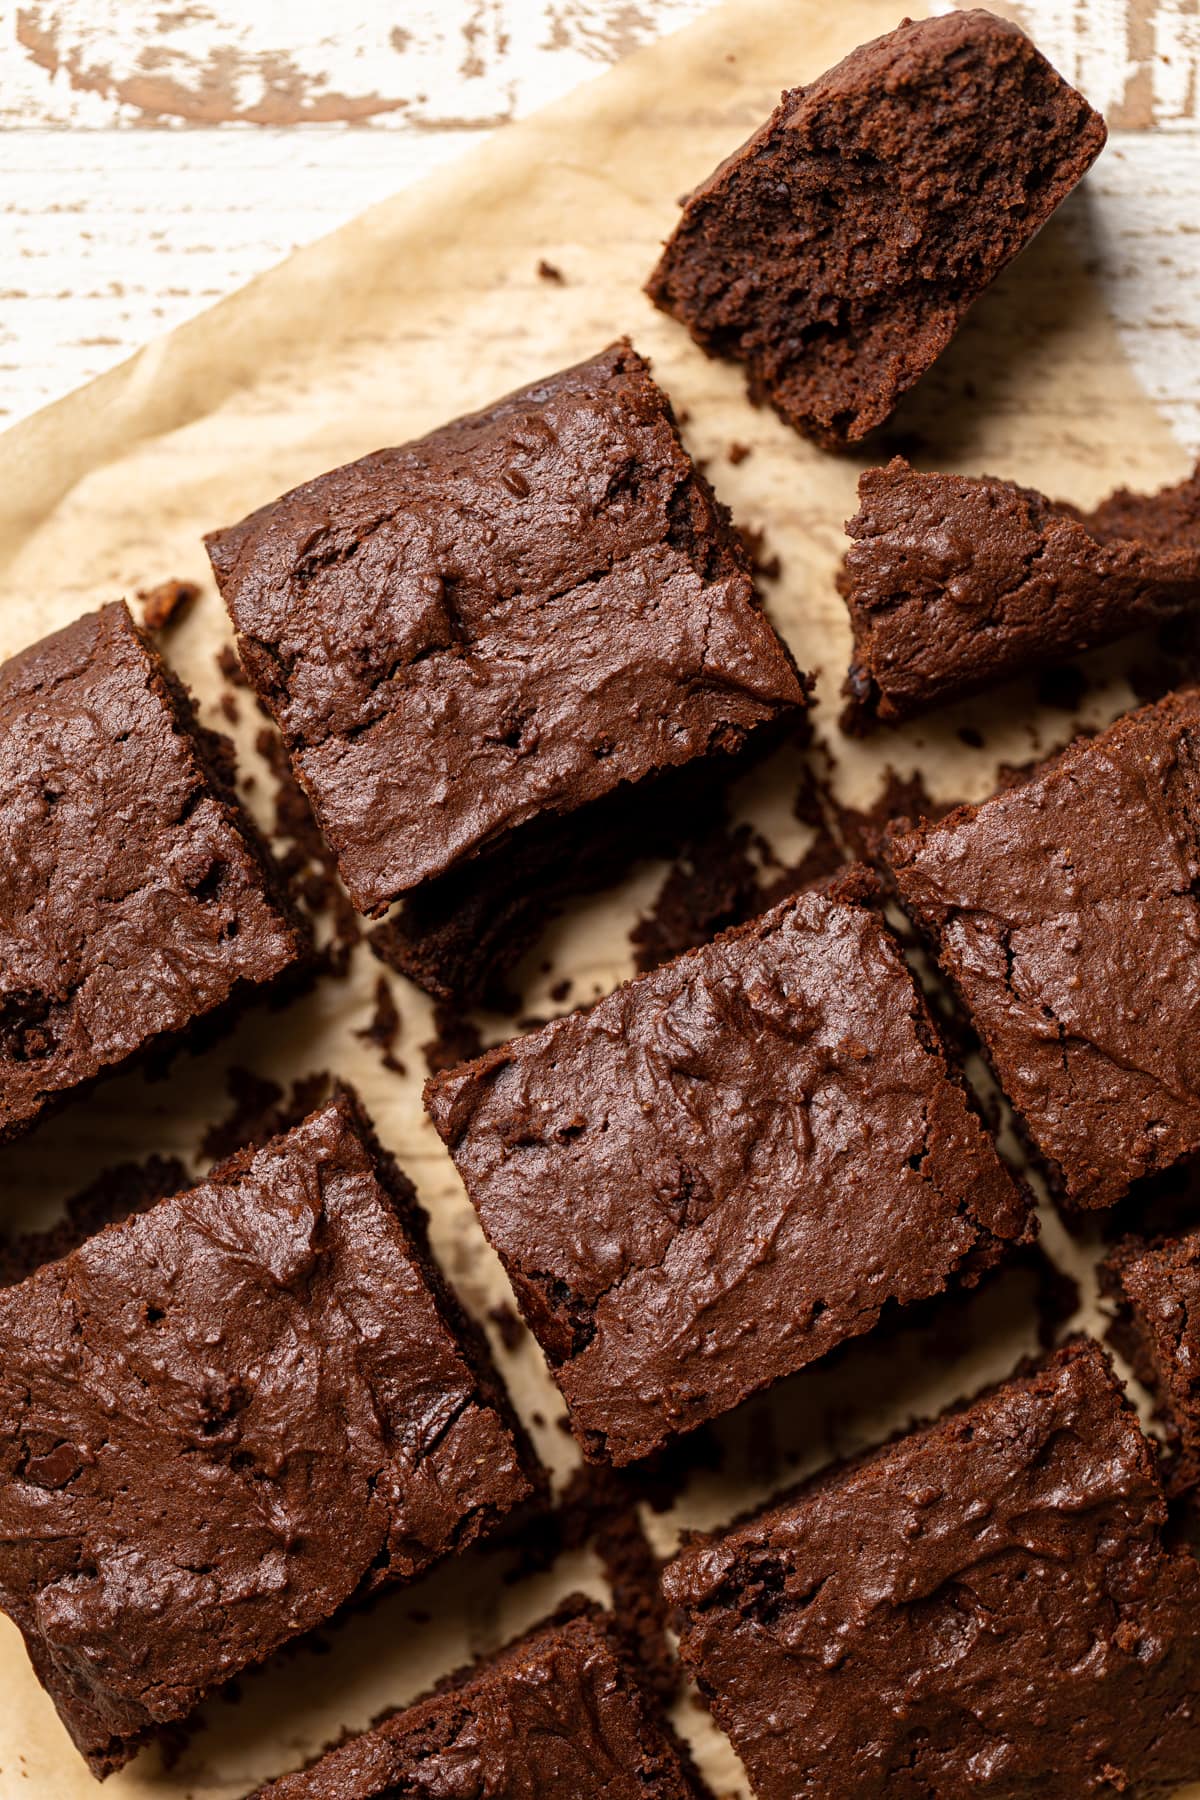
(508, 1323)
(457, 1039)
(737, 453)
(384, 1026)
(974, 740)
(229, 666)
(261, 1110)
(560, 990)
(754, 538)
(548, 271)
(229, 710)
(306, 862)
(116, 1194)
(1062, 687)
(166, 604)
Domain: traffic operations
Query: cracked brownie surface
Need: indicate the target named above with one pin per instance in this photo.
(558, 1714)
(983, 1606)
(509, 617)
(135, 896)
(953, 582)
(726, 1168)
(837, 251)
(1065, 912)
(228, 1416)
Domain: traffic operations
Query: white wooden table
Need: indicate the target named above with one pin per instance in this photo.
(154, 157)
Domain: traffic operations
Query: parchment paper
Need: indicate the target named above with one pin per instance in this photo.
(422, 308)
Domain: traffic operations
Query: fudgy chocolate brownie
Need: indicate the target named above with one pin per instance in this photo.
(558, 1715)
(1065, 911)
(953, 583)
(836, 253)
(230, 1415)
(1155, 1289)
(507, 618)
(135, 896)
(984, 1606)
(726, 1168)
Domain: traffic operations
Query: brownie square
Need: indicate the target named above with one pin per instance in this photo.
(557, 1715)
(1155, 1289)
(836, 253)
(725, 1169)
(135, 895)
(506, 619)
(1065, 912)
(954, 582)
(225, 1418)
(985, 1606)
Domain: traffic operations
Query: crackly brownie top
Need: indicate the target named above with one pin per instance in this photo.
(222, 1419)
(954, 581)
(1066, 913)
(985, 1606)
(1156, 1289)
(511, 615)
(836, 252)
(555, 1716)
(725, 1168)
(131, 898)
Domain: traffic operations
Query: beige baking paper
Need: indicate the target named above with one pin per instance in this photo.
(422, 308)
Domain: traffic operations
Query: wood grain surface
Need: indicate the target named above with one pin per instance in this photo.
(155, 157)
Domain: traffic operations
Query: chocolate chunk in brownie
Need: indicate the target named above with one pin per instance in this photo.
(1066, 913)
(506, 619)
(953, 582)
(836, 252)
(1155, 1289)
(984, 1606)
(135, 895)
(725, 1169)
(230, 1415)
(557, 1715)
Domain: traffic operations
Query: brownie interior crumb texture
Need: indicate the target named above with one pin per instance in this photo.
(135, 895)
(1155, 1289)
(1066, 913)
(985, 1606)
(558, 1715)
(726, 1168)
(225, 1418)
(836, 253)
(954, 582)
(508, 618)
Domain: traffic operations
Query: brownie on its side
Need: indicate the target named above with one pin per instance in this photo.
(725, 1169)
(1066, 913)
(1155, 1289)
(836, 253)
(558, 1715)
(135, 895)
(226, 1417)
(983, 1606)
(506, 619)
(953, 583)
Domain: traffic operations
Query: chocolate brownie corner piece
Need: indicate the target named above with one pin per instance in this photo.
(135, 895)
(505, 620)
(985, 1605)
(225, 1418)
(725, 1169)
(557, 1715)
(836, 252)
(954, 582)
(1155, 1291)
(1066, 913)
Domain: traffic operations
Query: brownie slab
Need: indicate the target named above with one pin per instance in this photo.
(506, 619)
(836, 252)
(135, 895)
(230, 1415)
(1155, 1289)
(1065, 912)
(953, 582)
(725, 1169)
(558, 1715)
(984, 1606)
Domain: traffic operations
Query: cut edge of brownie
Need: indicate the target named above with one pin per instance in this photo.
(1131, 1334)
